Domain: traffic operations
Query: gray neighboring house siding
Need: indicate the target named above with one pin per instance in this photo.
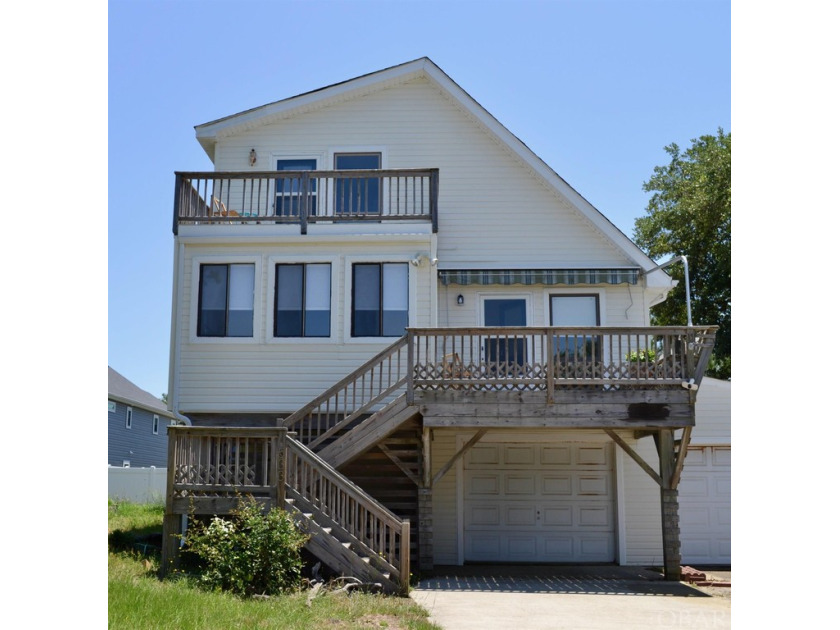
(138, 445)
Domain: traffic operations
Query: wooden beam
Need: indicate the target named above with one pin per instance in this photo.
(427, 457)
(399, 464)
(636, 457)
(678, 466)
(475, 438)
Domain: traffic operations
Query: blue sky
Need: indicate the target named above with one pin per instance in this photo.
(595, 88)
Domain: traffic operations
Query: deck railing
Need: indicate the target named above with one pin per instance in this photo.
(209, 467)
(304, 197)
(363, 390)
(527, 358)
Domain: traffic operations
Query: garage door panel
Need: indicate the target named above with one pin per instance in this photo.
(558, 516)
(483, 515)
(483, 484)
(520, 515)
(520, 485)
(595, 516)
(519, 455)
(593, 548)
(592, 455)
(556, 456)
(593, 486)
(483, 454)
(552, 484)
(694, 486)
(722, 457)
(522, 548)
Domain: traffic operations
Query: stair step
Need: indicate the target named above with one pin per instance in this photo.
(346, 545)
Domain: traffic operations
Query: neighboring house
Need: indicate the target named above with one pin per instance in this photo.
(705, 488)
(137, 423)
(390, 221)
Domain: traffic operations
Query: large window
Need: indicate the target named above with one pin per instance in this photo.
(302, 300)
(226, 301)
(575, 310)
(380, 299)
(289, 190)
(357, 195)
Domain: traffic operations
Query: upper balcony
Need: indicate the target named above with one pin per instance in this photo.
(305, 197)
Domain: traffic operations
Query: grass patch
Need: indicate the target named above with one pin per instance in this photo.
(138, 599)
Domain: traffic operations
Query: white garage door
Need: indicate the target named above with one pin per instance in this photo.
(544, 502)
(704, 494)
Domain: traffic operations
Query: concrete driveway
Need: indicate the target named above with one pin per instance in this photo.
(577, 598)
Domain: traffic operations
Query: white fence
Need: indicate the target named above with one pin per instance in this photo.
(141, 485)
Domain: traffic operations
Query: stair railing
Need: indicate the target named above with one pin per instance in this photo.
(377, 530)
(352, 396)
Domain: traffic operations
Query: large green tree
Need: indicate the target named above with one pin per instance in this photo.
(689, 214)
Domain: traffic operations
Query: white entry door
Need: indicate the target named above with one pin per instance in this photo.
(705, 506)
(539, 502)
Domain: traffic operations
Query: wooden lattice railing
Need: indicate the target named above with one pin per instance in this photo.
(528, 358)
(360, 392)
(376, 531)
(210, 466)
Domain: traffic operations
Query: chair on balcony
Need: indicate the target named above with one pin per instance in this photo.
(453, 368)
(220, 210)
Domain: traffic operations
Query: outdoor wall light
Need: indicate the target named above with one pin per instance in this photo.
(252, 157)
(460, 300)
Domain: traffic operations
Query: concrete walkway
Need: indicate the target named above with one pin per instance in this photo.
(555, 598)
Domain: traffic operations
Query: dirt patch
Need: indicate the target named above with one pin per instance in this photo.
(385, 622)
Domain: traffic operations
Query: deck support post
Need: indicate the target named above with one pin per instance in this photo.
(425, 516)
(669, 507)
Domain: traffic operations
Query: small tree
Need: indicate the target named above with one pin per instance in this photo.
(249, 552)
(690, 214)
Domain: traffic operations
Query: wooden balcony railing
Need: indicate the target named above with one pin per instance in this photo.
(367, 388)
(209, 467)
(488, 359)
(304, 197)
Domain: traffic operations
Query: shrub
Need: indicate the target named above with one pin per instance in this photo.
(248, 552)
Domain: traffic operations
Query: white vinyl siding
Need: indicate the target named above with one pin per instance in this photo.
(642, 525)
(277, 375)
(484, 188)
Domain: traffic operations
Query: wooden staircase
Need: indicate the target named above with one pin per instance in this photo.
(350, 531)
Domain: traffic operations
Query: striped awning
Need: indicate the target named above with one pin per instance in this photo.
(538, 276)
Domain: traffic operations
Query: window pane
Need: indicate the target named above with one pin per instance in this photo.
(574, 310)
(366, 301)
(213, 292)
(288, 189)
(317, 300)
(288, 316)
(241, 301)
(394, 299)
(359, 194)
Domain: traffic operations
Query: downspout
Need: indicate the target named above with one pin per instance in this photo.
(690, 384)
(175, 335)
(684, 260)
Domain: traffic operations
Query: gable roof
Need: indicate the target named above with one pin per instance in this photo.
(124, 391)
(208, 133)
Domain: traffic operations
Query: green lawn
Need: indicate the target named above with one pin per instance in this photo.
(138, 599)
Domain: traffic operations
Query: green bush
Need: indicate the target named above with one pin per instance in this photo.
(248, 552)
(642, 356)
